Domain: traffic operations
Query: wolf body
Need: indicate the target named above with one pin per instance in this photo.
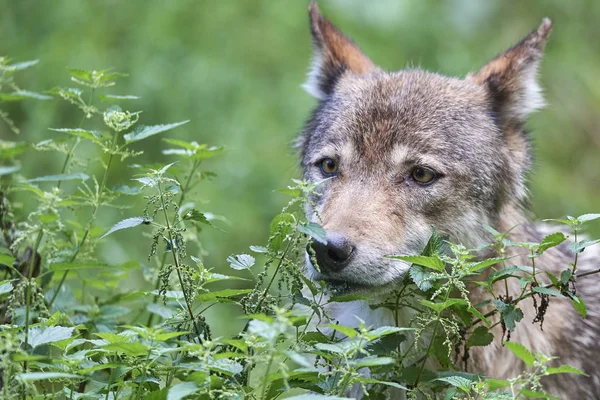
(411, 149)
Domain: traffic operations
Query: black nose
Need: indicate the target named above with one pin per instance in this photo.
(335, 255)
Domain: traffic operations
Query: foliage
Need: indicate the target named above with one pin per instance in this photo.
(71, 329)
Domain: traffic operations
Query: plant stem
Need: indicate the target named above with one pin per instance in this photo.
(38, 240)
(91, 221)
(265, 384)
(184, 190)
(177, 266)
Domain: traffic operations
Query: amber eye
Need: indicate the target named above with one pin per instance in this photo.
(423, 175)
(328, 167)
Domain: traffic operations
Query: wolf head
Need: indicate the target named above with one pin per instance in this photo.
(410, 150)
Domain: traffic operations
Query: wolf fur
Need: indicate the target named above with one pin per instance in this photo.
(378, 126)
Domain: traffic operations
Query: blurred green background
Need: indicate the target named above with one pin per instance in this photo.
(235, 69)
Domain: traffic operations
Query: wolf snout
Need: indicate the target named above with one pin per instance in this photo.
(336, 254)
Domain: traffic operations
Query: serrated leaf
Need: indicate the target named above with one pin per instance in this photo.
(480, 266)
(142, 132)
(222, 294)
(94, 136)
(314, 396)
(181, 390)
(42, 376)
(61, 177)
(521, 352)
(374, 362)
(20, 65)
(125, 224)
(68, 266)
(241, 261)
(548, 291)
(578, 304)
(481, 336)
(432, 262)
(197, 216)
(565, 369)
(551, 241)
(588, 217)
(578, 247)
(259, 249)
(315, 231)
(112, 97)
(19, 95)
(420, 277)
(132, 349)
(6, 287)
(510, 314)
(439, 307)
(39, 336)
(6, 170)
(346, 330)
(457, 381)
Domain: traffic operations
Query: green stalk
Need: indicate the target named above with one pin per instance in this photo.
(177, 266)
(90, 223)
(38, 240)
(184, 190)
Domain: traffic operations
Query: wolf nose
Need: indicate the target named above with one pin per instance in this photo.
(335, 255)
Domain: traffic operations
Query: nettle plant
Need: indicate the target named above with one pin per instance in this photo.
(70, 328)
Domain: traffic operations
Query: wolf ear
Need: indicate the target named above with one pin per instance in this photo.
(334, 54)
(511, 78)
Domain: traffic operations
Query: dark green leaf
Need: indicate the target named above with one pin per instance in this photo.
(315, 231)
(548, 291)
(432, 262)
(142, 132)
(481, 336)
(551, 241)
(182, 390)
(125, 224)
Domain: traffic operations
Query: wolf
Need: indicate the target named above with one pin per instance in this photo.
(409, 150)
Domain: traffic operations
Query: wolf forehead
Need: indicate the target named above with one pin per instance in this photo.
(421, 112)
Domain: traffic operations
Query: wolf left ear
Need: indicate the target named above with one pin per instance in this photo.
(511, 78)
(334, 55)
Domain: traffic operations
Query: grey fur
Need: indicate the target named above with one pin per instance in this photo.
(380, 125)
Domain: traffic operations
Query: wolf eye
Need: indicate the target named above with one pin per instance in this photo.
(423, 175)
(328, 167)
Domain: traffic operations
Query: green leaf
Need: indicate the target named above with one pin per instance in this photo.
(578, 304)
(132, 349)
(125, 224)
(481, 336)
(346, 330)
(588, 217)
(565, 369)
(222, 294)
(439, 307)
(420, 277)
(142, 132)
(241, 261)
(204, 152)
(551, 241)
(259, 249)
(112, 97)
(530, 394)
(578, 247)
(315, 231)
(374, 362)
(432, 262)
(20, 66)
(279, 229)
(9, 169)
(197, 216)
(314, 396)
(510, 314)
(42, 376)
(457, 381)
(6, 259)
(127, 190)
(181, 390)
(480, 266)
(6, 287)
(548, 291)
(495, 384)
(81, 74)
(61, 177)
(39, 336)
(23, 95)
(9, 150)
(521, 352)
(94, 136)
(68, 266)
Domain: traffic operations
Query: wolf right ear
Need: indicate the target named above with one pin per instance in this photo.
(334, 54)
(511, 78)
